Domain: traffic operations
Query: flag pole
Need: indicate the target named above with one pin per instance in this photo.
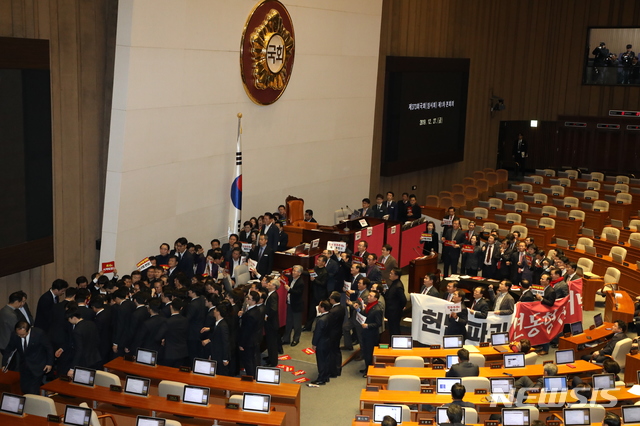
(236, 187)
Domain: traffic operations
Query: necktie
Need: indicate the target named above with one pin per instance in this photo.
(487, 261)
(24, 345)
(261, 252)
(55, 299)
(474, 304)
(425, 291)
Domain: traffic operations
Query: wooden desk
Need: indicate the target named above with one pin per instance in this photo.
(368, 398)
(543, 236)
(631, 368)
(577, 342)
(618, 305)
(285, 397)
(380, 376)
(420, 267)
(565, 228)
(10, 382)
(603, 246)
(388, 356)
(154, 404)
(28, 420)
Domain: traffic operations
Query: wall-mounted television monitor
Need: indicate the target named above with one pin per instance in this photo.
(611, 56)
(425, 110)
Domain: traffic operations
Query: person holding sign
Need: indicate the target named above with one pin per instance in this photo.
(371, 320)
(447, 221)
(519, 263)
(318, 277)
(262, 254)
(457, 320)
(413, 209)
(430, 240)
(471, 256)
(452, 241)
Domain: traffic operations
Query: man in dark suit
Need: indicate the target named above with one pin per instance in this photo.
(102, 319)
(152, 330)
(427, 286)
(318, 279)
(308, 216)
(9, 318)
(295, 305)
(60, 332)
(379, 210)
(373, 271)
(23, 312)
(271, 231)
(472, 230)
(122, 311)
(518, 263)
(195, 312)
(46, 302)
(227, 247)
(361, 255)
(479, 306)
(366, 210)
(520, 153)
(457, 321)
(218, 345)
(490, 258)
(283, 238)
(402, 208)
(457, 395)
(250, 333)
(35, 356)
(360, 296)
(175, 338)
(321, 343)
(619, 332)
(548, 298)
(392, 206)
(272, 322)
(395, 301)
(336, 318)
(86, 351)
(413, 209)
(527, 294)
(447, 221)
(371, 328)
(263, 254)
(185, 258)
(452, 240)
(82, 298)
(463, 368)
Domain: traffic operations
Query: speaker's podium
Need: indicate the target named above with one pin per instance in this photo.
(418, 268)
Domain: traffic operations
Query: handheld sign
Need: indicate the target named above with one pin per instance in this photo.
(315, 243)
(109, 266)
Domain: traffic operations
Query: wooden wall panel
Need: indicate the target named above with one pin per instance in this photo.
(82, 51)
(528, 52)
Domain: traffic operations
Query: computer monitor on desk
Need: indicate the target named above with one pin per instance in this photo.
(499, 339)
(603, 381)
(576, 416)
(500, 385)
(206, 367)
(12, 404)
(443, 385)
(451, 360)
(513, 360)
(380, 411)
(590, 250)
(256, 402)
(401, 342)
(77, 416)
(84, 376)
(630, 414)
(452, 342)
(146, 357)
(565, 356)
(442, 418)
(597, 320)
(515, 417)
(576, 328)
(268, 375)
(555, 383)
(586, 232)
(195, 395)
(149, 421)
(137, 386)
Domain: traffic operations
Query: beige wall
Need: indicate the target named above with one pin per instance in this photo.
(173, 131)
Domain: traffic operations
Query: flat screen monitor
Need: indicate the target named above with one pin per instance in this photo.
(401, 342)
(590, 250)
(555, 384)
(451, 359)
(576, 416)
(268, 375)
(299, 249)
(617, 257)
(149, 421)
(603, 381)
(77, 416)
(513, 360)
(597, 320)
(561, 242)
(576, 328)
(382, 410)
(84, 376)
(256, 402)
(586, 232)
(206, 367)
(137, 386)
(13, 404)
(630, 414)
(565, 356)
(498, 339)
(146, 357)
(195, 395)
(452, 342)
(443, 385)
(501, 385)
(442, 418)
(515, 417)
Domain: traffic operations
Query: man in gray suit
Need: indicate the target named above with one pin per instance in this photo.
(561, 288)
(9, 318)
(503, 303)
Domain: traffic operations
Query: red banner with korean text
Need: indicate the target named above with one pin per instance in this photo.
(540, 323)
